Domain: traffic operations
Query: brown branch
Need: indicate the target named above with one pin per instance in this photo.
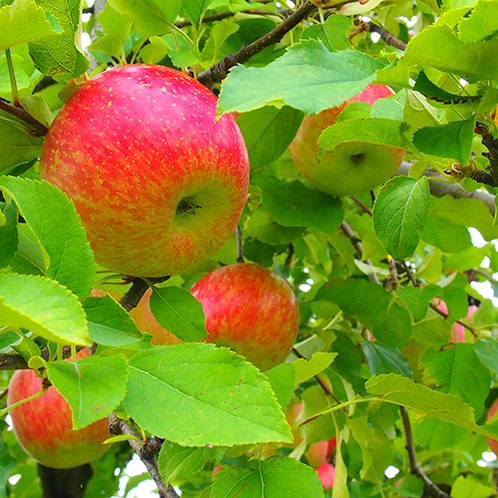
(445, 316)
(138, 288)
(219, 71)
(38, 128)
(146, 454)
(386, 35)
(430, 488)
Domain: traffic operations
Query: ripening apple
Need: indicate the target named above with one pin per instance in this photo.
(250, 309)
(44, 428)
(326, 474)
(318, 453)
(353, 167)
(457, 331)
(158, 181)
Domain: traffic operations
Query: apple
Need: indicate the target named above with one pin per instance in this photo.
(318, 453)
(326, 474)
(44, 428)
(353, 167)
(493, 443)
(250, 309)
(158, 181)
(457, 331)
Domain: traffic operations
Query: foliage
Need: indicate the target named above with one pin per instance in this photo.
(369, 272)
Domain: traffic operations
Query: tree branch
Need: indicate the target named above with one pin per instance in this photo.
(430, 488)
(387, 36)
(38, 128)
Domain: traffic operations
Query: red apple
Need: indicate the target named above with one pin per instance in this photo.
(326, 474)
(353, 167)
(317, 453)
(457, 331)
(250, 309)
(44, 427)
(158, 181)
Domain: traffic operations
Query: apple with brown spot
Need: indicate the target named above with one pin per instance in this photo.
(250, 309)
(158, 181)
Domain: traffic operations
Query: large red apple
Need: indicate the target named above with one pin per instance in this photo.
(158, 181)
(44, 426)
(250, 309)
(353, 167)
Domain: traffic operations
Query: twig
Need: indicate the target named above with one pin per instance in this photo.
(138, 288)
(362, 205)
(39, 129)
(240, 248)
(386, 35)
(148, 457)
(219, 71)
(430, 488)
(445, 316)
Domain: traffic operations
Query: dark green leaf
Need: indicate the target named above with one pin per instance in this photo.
(8, 234)
(385, 359)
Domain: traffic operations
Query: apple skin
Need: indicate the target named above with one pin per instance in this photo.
(326, 474)
(44, 428)
(354, 167)
(318, 453)
(251, 310)
(457, 331)
(158, 181)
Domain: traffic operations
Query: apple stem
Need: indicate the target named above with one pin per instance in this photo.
(240, 250)
(38, 394)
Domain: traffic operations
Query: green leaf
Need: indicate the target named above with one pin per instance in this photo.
(452, 140)
(454, 238)
(17, 142)
(209, 383)
(331, 79)
(482, 22)
(333, 32)
(385, 359)
(399, 214)
(469, 487)
(282, 381)
(322, 428)
(15, 18)
(151, 17)
(439, 47)
(487, 352)
(178, 312)
(268, 131)
(92, 386)
(307, 369)
(457, 370)
(60, 56)
(194, 10)
(53, 220)
(108, 322)
(180, 462)
(44, 307)
(294, 205)
(274, 477)
(8, 234)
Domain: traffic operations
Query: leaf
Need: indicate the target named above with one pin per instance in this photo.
(454, 238)
(60, 56)
(482, 22)
(469, 487)
(17, 143)
(108, 322)
(208, 383)
(268, 131)
(331, 79)
(8, 234)
(321, 428)
(452, 140)
(44, 307)
(399, 214)
(151, 17)
(282, 381)
(180, 462)
(294, 205)
(439, 47)
(487, 352)
(179, 312)
(385, 359)
(53, 220)
(307, 369)
(93, 387)
(22, 22)
(274, 477)
(194, 10)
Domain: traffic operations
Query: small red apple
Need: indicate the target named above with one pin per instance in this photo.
(457, 331)
(320, 452)
(250, 309)
(158, 181)
(354, 167)
(44, 427)
(326, 474)
(493, 443)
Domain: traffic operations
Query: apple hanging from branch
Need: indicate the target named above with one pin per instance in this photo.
(44, 427)
(159, 183)
(354, 167)
(250, 309)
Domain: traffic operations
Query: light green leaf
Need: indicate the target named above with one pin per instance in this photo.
(439, 47)
(108, 322)
(482, 22)
(268, 131)
(178, 312)
(60, 56)
(92, 386)
(9, 238)
(469, 487)
(194, 10)
(306, 369)
(209, 383)
(44, 307)
(282, 381)
(399, 214)
(53, 220)
(274, 477)
(331, 79)
(22, 22)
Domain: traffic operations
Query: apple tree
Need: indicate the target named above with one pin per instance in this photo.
(359, 145)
